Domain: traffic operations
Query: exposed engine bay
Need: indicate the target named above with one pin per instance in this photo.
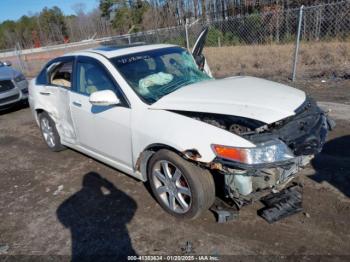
(304, 133)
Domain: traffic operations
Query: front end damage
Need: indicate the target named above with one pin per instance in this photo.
(304, 134)
(246, 185)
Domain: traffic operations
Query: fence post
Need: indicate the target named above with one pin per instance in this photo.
(186, 31)
(297, 44)
(19, 58)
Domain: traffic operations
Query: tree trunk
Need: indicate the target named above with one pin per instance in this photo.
(223, 9)
(195, 6)
(204, 9)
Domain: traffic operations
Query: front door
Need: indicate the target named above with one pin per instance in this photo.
(105, 130)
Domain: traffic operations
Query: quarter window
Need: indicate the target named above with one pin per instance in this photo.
(91, 77)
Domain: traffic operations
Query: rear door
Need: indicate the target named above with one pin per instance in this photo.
(197, 52)
(54, 95)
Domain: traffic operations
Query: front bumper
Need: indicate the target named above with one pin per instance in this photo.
(19, 92)
(305, 134)
(247, 185)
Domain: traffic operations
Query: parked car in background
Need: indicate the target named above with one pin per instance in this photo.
(13, 86)
(155, 113)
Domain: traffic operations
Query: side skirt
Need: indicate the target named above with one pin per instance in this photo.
(121, 167)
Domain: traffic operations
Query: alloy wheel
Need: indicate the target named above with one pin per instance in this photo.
(171, 186)
(47, 130)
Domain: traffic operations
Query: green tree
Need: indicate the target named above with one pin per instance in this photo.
(125, 15)
(7, 34)
(51, 23)
(105, 7)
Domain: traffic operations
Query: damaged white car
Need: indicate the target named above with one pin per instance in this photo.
(156, 113)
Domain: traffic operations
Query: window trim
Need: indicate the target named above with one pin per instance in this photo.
(118, 91)
(63, 59)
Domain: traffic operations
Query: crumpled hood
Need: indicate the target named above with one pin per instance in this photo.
(7, 72)
(248, 97)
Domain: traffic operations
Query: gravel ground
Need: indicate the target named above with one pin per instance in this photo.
(67, 203)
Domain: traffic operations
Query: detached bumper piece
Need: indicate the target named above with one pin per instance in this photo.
(223, 211)
(282, 204)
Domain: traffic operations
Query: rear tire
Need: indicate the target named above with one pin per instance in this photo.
(183, 189)
(49, 133)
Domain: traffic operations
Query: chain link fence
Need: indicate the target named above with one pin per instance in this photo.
(260, 44)
(325, 42)
(264, 44)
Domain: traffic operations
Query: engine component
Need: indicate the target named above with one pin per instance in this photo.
(239, 182)
(237, 125)
(238, 129)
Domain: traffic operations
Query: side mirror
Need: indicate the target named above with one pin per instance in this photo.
(7, 63)
(104, 98)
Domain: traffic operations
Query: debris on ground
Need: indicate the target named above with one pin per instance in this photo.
(58, 190)
(282, 204)
(3, 249)
(188, 248)
(307, 214)
(223, 211)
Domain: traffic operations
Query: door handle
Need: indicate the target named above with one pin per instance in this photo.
(75, 103)
(45, 93)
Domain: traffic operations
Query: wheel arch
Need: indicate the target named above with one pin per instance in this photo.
(37, 112)
(40, 110)
(142, 161)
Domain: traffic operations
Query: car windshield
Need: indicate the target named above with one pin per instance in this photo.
(154, 74)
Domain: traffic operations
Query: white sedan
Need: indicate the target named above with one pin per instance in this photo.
(156, 113)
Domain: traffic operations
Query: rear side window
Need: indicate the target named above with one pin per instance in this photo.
(57, 72)
(60, 74)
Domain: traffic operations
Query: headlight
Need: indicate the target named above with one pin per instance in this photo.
(20, 78)
(266, 152)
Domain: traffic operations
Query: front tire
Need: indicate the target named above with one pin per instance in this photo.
(181, 188)
(49, 133)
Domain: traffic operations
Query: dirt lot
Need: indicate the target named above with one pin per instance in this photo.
(67, 203)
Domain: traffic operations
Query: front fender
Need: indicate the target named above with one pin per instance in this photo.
(181, 133)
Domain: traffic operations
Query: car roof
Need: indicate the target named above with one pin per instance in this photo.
(114, 51)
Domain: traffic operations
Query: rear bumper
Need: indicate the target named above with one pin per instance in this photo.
(17, 94)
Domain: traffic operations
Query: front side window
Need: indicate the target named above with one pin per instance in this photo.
(154, 74)
(60, 74)
(91, 77)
